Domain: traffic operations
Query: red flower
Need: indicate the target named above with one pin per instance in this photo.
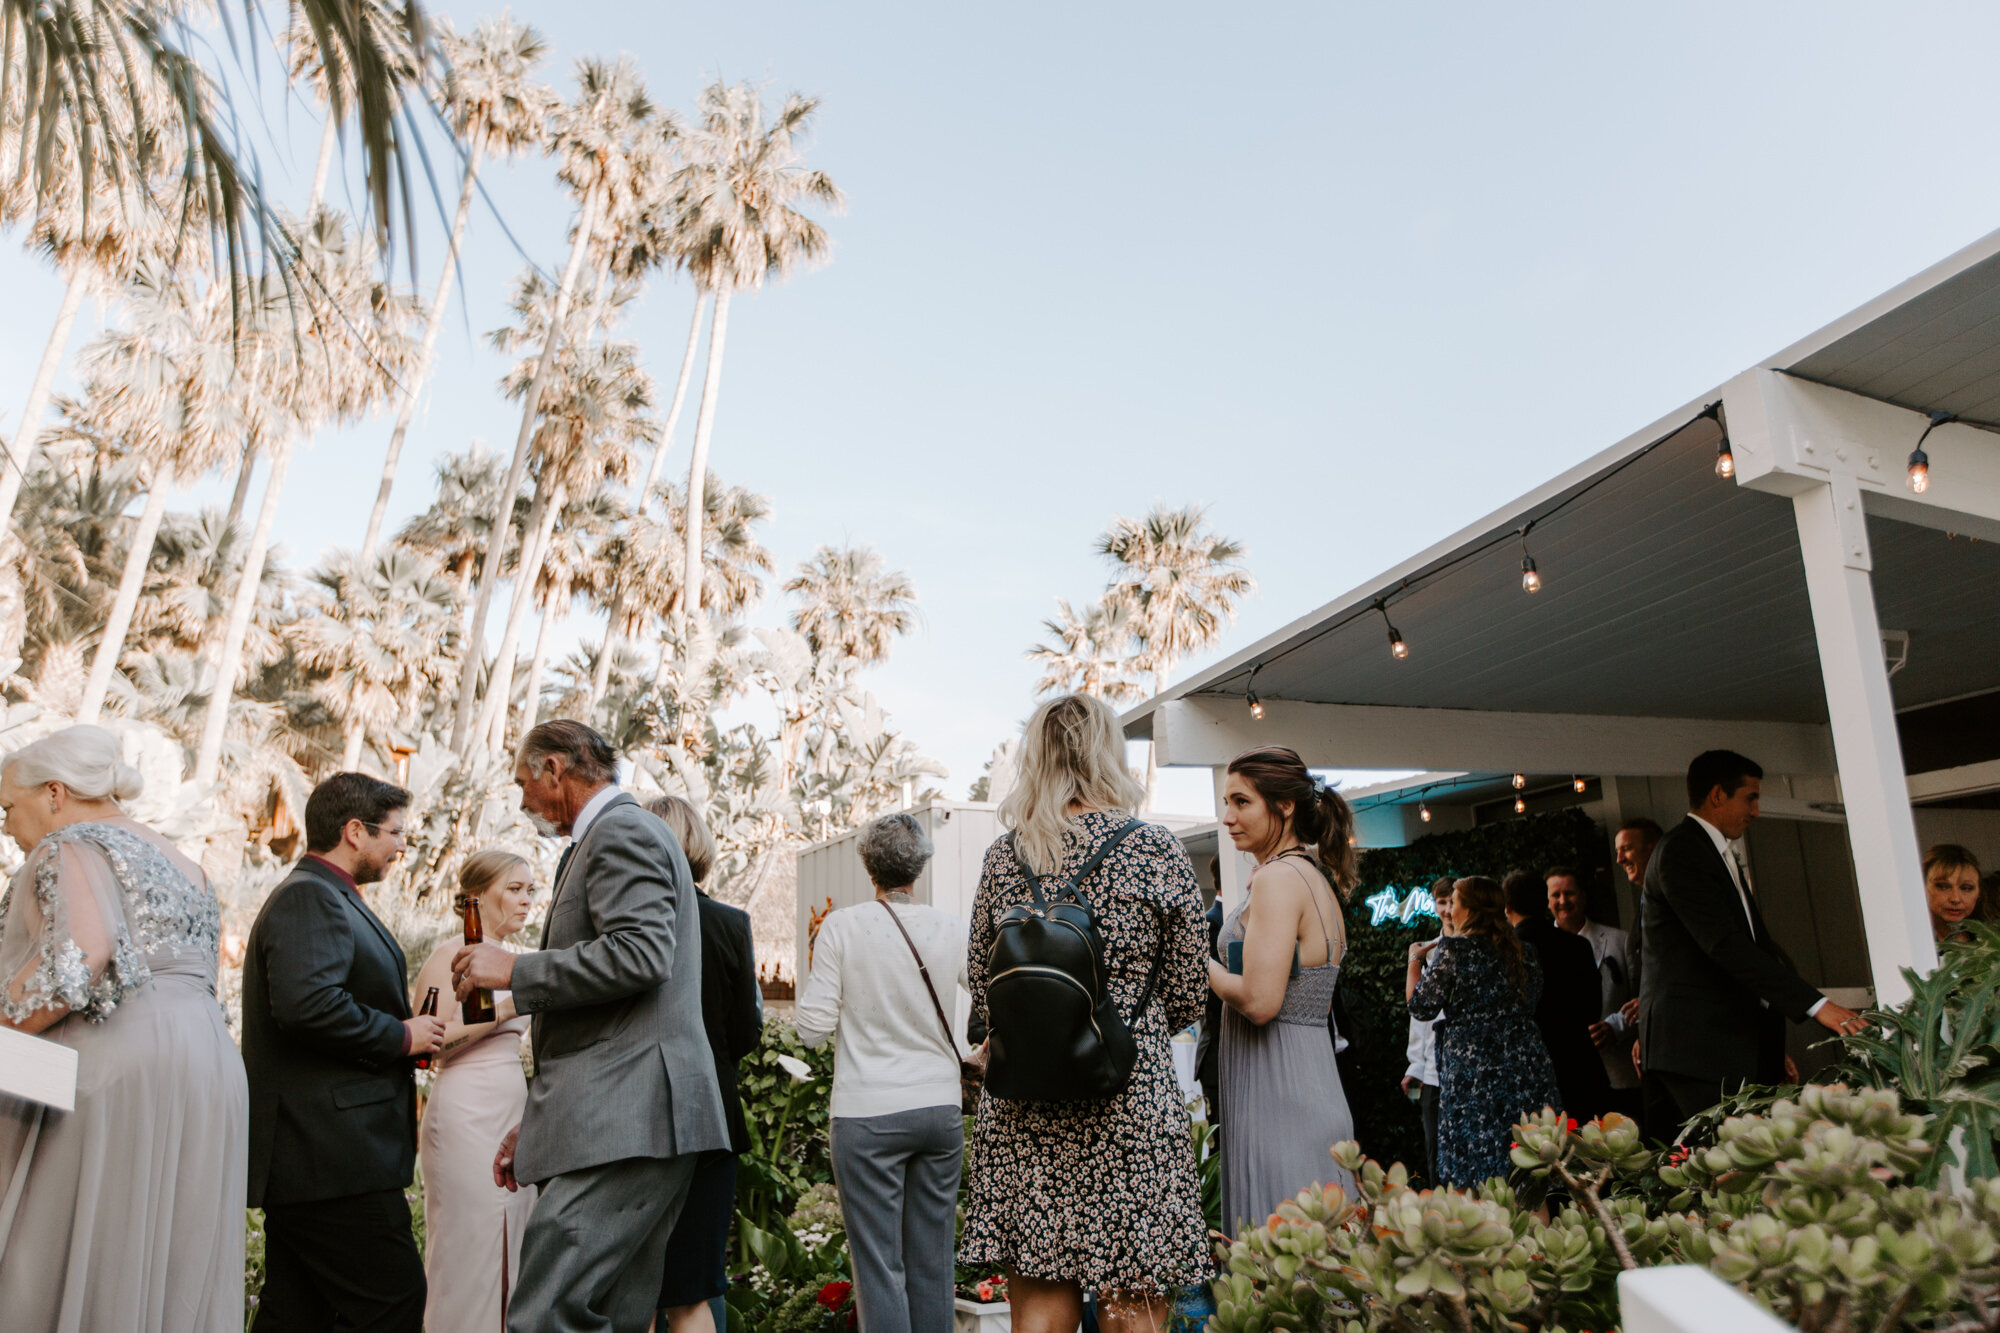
(1572, 1125)
(834, 1294)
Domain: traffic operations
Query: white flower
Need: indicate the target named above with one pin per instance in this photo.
(797, 1068)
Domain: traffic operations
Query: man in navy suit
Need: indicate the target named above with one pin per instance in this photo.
(328, 1043)
(1715, 988)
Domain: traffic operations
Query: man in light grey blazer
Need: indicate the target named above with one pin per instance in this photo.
(624, 1094)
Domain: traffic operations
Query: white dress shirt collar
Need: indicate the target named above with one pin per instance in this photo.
(592, 808)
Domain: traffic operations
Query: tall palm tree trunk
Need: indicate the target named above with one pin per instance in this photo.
(324, 166)
(614, 638)
(229, 660)
(503, 512)
(111, 645)
(421, 375)
(350, 751)
(531, 703)
(542, 516)
(240, 497)
(21, 449)
(704, 426)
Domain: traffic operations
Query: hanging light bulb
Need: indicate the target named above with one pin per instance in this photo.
(1423, 812)
(1256, 706)
(1920, 462)
(1520, 805)
(1520, 781)
(1397, 648)
(1531, 581)
(1725, 462)
(1578, 783)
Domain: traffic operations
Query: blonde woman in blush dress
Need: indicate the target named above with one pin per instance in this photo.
(125, 1213)
(472, 1227)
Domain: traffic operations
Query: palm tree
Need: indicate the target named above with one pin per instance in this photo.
(349, 344)
(496, 105)
(595, 135)
(1087, 654)
(571, 565)
(737, 224)
(849, 606)
(71, 64)
(1179, 583)
(166, 387)
(596, 410)
(384, 634)
(325, 68)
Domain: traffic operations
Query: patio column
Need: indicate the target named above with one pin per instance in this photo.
(1833, 539)
(1232, 868)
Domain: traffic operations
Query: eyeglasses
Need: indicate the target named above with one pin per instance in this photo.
(397, 832)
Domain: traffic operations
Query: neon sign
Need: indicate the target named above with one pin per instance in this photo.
(1389, 905)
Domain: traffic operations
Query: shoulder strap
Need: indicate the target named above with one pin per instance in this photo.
(950, 1042)
(1072, 884)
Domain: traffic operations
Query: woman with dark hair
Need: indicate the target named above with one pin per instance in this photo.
(1952, 890)
(1490, 1055)
(1281, 952)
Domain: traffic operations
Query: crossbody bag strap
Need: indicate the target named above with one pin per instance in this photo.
(925, 973)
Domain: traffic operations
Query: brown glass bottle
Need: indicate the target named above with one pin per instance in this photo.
(478, 1005)
(429, 1010)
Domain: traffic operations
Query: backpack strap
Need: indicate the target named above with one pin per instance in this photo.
(1072, 885)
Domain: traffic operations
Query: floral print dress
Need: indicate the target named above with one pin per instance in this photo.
(1102, 1193)
(1492, 1065)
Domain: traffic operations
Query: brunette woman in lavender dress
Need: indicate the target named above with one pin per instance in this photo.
(472, 1227)
(1277, 1071)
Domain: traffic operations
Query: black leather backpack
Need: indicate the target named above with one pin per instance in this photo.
(1056, 1034)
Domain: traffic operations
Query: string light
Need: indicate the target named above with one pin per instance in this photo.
(1531, 580)
(1520, 781)
(1725, 461)
(1397, 648)
(1256, 707)
(1250, 693)
(1520, 805)
(1578, 783)
(1423, 812)
(1920, 462)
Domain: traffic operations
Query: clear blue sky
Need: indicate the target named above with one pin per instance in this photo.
(1351, 275)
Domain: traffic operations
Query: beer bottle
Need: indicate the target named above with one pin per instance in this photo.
(429, 1010)
(479, 1005)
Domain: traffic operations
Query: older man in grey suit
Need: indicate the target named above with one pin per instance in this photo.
(624, 1094)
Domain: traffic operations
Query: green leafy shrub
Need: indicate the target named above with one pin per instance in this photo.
(1812, 1208)
(788, 1120)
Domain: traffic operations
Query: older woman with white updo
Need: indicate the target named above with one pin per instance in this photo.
(130, 1211)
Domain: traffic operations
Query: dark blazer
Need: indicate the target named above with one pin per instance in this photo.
(729, 1006)
(333, 1099)
(1706, 972)
(1567, 1007)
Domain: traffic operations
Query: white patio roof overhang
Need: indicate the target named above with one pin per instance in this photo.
(1682, 611)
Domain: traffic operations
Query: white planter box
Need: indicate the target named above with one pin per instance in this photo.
(973, 1317)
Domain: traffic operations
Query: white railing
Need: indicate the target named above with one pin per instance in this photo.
(1685, 1299)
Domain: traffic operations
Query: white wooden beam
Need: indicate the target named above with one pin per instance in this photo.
(1966, 780)
(1232, 868)
(1874, 790)
(1209, 731)
(1789, 435)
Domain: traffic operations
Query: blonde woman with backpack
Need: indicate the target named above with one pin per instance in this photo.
(1086, 957)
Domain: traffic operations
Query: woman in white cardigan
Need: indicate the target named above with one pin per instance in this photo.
(898, 1139)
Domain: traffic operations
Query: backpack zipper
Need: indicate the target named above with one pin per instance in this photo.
(1060, 974)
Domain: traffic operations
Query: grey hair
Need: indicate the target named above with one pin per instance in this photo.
(84, 759)
(583, 751)
(894, 851)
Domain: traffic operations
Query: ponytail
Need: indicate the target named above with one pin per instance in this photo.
(1321, 818)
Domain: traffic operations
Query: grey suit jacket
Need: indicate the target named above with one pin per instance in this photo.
(622, 1065)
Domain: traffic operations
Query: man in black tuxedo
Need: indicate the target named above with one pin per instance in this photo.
(328, 1042)
(1715, 987)
(1568, 1003)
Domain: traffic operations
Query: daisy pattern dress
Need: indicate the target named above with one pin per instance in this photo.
(1102, 1193)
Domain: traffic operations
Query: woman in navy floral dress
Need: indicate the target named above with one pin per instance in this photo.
(1493, 1066)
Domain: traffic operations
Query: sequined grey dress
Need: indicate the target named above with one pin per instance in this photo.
(126, 1214)
(1282, 1087)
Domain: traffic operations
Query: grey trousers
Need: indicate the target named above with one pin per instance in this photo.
(596, 1245)
(898, 1178)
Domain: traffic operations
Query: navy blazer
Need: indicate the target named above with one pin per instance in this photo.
(333, 1099)
(1708, 973)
